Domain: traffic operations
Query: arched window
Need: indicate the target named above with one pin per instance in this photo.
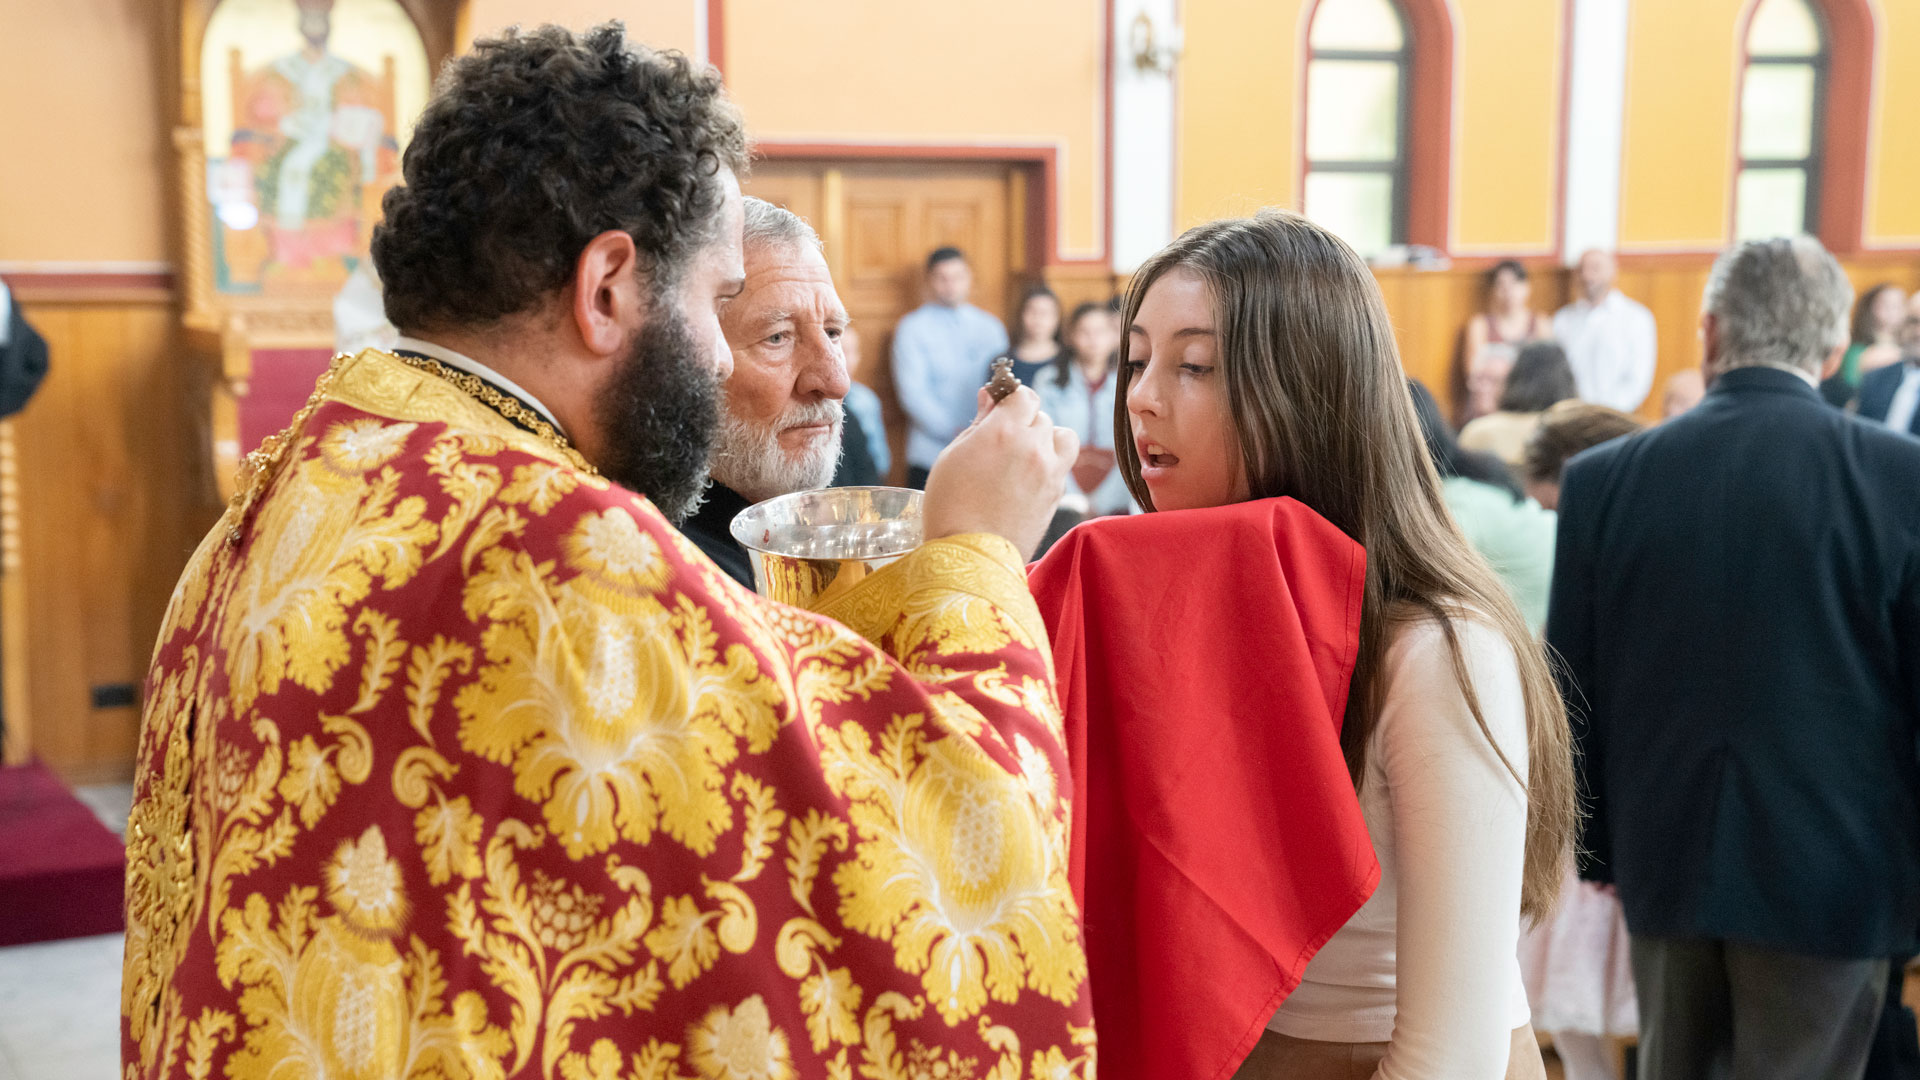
(1358, 61)
(1782, 105)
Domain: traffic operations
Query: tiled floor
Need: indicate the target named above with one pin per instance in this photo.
(60, 1010)
(60, 1000)
(109, 802)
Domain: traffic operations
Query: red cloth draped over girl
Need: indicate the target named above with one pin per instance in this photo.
(1203, 659)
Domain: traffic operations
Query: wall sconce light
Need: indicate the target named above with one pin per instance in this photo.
(1153, 49)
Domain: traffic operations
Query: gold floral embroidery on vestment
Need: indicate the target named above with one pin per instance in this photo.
(739, 1044)
(322, 545)
(416, 838)
(955, 867)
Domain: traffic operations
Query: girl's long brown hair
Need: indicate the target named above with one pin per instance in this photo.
(1323, 414)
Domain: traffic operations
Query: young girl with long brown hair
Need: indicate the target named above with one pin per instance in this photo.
(1259, 362)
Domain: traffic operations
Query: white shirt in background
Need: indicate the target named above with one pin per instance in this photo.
(1611, 347)
(1906, 399)
(1429, 963)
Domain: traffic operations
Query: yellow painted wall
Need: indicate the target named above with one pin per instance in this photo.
(1237, 114)
(96, 179)
(988, 71)
(1677, 161)
(85, 130)
(663, 24)
(1507, 118)
(1893, 169)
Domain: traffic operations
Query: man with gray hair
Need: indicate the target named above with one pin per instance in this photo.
(1736, 597)
(782, 423)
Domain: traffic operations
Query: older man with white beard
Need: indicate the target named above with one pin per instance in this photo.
(782, 425)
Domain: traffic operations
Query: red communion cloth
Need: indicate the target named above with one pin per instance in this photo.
(1203, 659)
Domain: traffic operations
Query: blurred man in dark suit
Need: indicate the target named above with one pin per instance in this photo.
(23, 356)
(1737, 599)
(1891, 394)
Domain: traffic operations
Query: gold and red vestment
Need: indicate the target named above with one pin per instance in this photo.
(459, 760)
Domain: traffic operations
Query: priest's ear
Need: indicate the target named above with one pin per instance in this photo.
(608, 302)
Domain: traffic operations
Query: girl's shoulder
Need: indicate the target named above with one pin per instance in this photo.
(1419, 636)
(1426, 659)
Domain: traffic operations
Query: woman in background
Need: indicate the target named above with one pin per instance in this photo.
(1576, 965)
(1876, 315)
(1259, 362)
(1079, 395)
(1036, 335)
(1540, 379)
(1493, 337)
(1508, 529)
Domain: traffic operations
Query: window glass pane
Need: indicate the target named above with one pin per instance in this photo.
(1353, 110)
(1357, 207)
(1772, 202)
(1783, 28)
(1371, 25)
(1776, 112)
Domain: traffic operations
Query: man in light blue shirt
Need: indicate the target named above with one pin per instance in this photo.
(940, 354)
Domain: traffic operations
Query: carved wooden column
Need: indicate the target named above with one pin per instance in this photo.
(13, 611)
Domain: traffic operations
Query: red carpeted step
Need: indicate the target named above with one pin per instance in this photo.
(61, 871)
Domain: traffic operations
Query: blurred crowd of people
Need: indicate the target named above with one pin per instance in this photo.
(944, 349)
(1517, 364)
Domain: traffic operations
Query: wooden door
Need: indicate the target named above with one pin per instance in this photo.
(879, 221)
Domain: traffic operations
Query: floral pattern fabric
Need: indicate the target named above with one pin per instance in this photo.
(464, 763)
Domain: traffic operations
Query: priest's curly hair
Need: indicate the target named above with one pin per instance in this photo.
(535, 143)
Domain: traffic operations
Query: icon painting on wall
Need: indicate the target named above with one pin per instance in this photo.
(307, 106)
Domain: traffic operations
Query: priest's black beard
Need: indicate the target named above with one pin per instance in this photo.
(661, 413)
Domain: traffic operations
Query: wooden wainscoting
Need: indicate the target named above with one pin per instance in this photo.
(1078, 283)
(114, 490)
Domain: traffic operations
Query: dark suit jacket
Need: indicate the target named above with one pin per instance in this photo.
(1736, 597)
(23, 362)
(708, 529)
(1876, 394)
(856, 468)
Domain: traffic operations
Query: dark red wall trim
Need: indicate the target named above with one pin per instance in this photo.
(1044, 159)
(1843, 188)
(1430, 142)
(56, 286)
(717, 35)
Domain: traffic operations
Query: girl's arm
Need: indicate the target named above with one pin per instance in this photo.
(1460, 822)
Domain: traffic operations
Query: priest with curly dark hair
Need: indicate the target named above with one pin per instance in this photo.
(459, 760)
